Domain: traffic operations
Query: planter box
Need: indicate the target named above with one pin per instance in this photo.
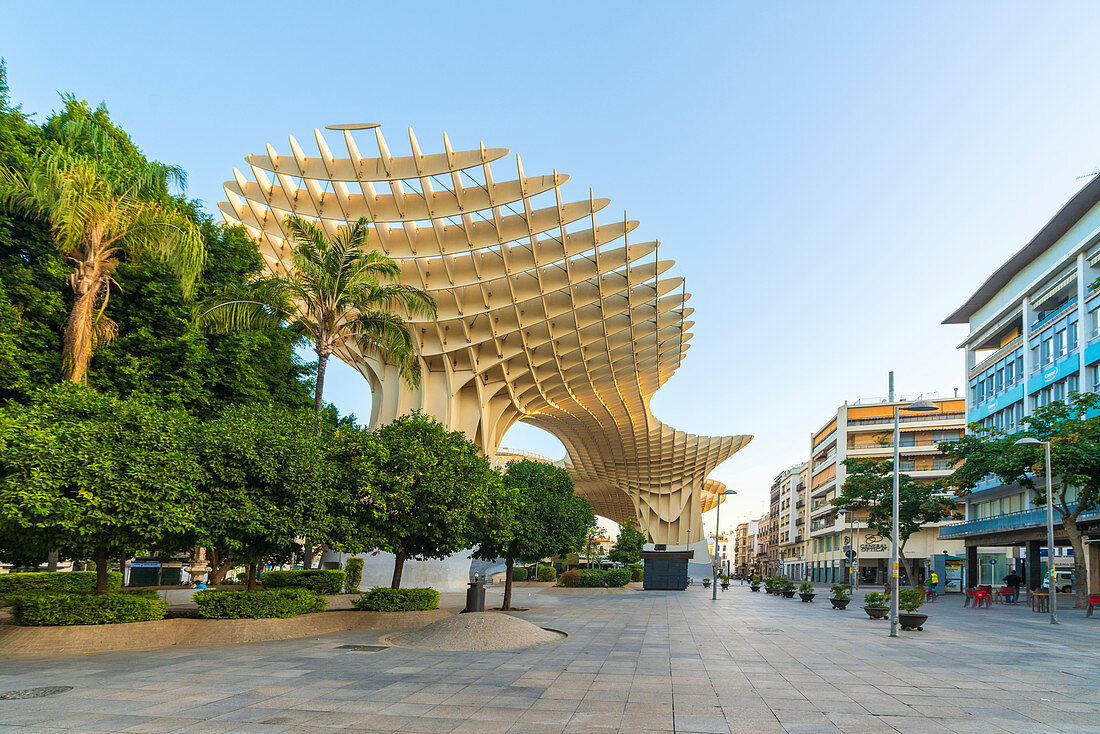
(877, 612)
(806, 597)
(839, 603)
(912, 620)
(787, 594)
(754, 588)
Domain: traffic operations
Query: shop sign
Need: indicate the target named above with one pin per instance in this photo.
(872, 548)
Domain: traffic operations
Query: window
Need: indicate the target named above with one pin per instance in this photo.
(1047, 351)
(907, 439)
(1010, 372)
(1094, 323)
(1020, 367)
(1034, 358)
(1059, 343)
(999, 381)
(1072, 384)
(1094, 378)
(1058, 391)
(1072, 335)
(980, 388)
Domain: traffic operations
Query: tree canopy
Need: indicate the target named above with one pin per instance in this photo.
(1073, 430)
(548, 519)
(628, 546)
(93, 476)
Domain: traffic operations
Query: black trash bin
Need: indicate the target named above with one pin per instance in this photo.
(475, 596)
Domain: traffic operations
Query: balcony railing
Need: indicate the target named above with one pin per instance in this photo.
(908, 419)
(1033, 518)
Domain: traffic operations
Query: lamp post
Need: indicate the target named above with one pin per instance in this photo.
(717, 531)
(851, 544)
(920, 406)
(1052, 590)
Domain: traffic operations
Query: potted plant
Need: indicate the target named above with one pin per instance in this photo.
(909, 601)
(806, 591)
(841, 596)
(725, 582)
(786, 588)
(706, 583)
(876, 604)
(754, 583)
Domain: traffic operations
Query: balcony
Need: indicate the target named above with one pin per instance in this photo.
(908, 419)
(1025, 519)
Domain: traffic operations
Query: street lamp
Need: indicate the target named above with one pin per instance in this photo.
(851, 545)
(717, 530)
(1052, 590)
(920, 406)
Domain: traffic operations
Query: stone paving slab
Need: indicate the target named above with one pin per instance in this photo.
(640, 662)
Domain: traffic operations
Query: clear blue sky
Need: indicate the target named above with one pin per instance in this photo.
(832, 178)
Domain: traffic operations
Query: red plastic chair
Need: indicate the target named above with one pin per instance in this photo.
(1094, 601)
(975, 597)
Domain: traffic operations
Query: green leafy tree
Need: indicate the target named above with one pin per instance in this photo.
(430, 494)
(94, 476)
(101, 208)
(339, 292)
(592, 542)
(869, 490)
(1074, 438)
(269, 483)
(547, 519)
(628, 546)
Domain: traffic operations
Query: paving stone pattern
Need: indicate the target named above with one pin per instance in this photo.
(642, 662)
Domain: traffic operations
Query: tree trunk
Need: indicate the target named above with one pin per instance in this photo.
(252, 577)
(219, 570)
(1080, 575)
(122, 567)
(322, 363)
(509, 561)
(51, 561)
(398, 565)
(308, 551)
(99, 555)
(910, 572)
(76, 345)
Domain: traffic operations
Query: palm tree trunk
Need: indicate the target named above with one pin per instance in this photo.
(322, 363)
(76, 345)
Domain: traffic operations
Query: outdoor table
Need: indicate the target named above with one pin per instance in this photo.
(975, 597)
(1040, 601)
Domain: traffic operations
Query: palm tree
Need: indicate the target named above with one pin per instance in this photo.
(339, 292)
(98, 214)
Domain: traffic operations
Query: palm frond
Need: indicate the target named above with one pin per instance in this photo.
(386, 336)
(229, 316)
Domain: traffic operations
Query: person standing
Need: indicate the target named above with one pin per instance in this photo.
(933, 582)
(1014, 582)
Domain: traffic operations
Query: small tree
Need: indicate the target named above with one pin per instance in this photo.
(430, 491)
(548, 520)
(628, 546)
(94, 476)
(269, 483)
(1074, 461)
(869, 487)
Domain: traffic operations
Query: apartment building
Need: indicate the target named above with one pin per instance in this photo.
(741, 564)
(788, 506)
(722, 549)
(864, 430)
(1034, 337)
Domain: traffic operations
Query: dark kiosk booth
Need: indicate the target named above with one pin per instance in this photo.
(665, 570)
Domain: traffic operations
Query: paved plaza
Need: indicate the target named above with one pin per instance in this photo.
(635, 662)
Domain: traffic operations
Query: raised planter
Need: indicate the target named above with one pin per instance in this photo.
(912, 620)
(839, 603)
(754, 588)
(787, 594)
(806, 597)
(877, 612)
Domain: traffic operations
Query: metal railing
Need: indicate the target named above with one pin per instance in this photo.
(1035, 517)
(958, 415)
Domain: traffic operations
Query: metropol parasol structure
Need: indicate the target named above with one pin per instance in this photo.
(546, 315)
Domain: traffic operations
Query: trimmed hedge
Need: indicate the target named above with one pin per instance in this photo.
(66, 609)
(594, 577)
(61, 582)
(259, 604)
(316, 580)
(637, 574)
(546, 573)
(381, 599)
(354, 570)
(519, 574)
(570, 578)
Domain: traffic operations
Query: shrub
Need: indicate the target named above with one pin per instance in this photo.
(546, 573)
(65, 609)
(354, 570)
(519, 574)
(570, 578)
(910, 600)
(636, 574)
(316, 580)
(259, 604)
(74, 582)
(805, 588)
(875, 600)
(592, 577)
(618, 577)
(841, 591)
(381, 599)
